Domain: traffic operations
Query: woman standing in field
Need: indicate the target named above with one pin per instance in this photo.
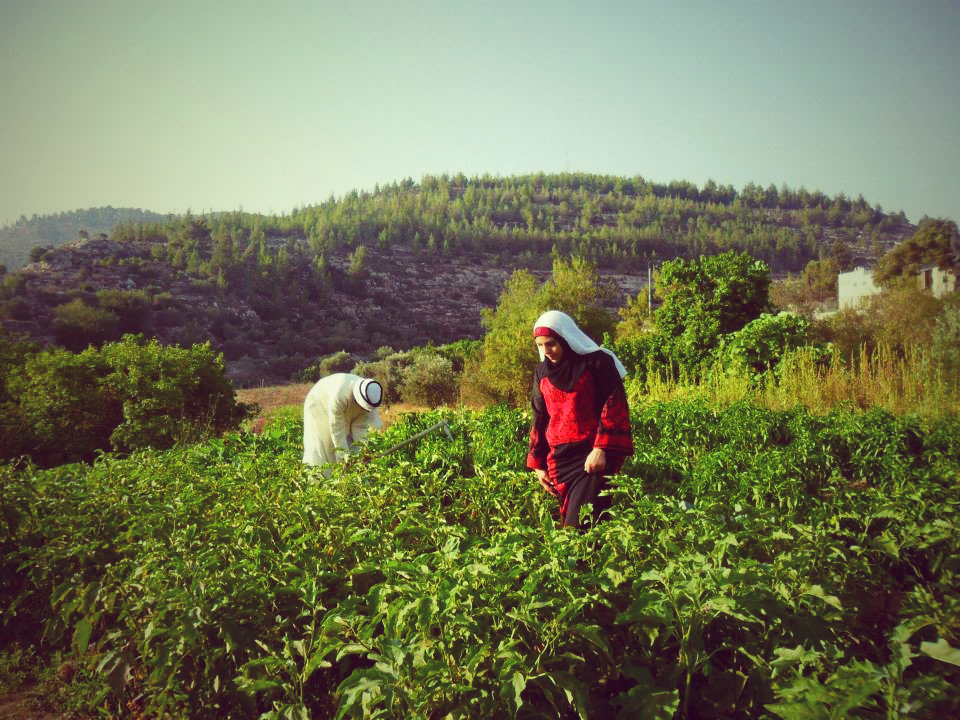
(581, 422)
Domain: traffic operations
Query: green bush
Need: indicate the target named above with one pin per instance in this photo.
(639, 354)
(77, 325)
(946, 346)
(761, 343)
(337, 362)
(509, 356)
(169, 395)
(126, 396)
(388, 372)
(14, 351)
(66, 412)
(130, 306)
(429, 380)
(705, 299)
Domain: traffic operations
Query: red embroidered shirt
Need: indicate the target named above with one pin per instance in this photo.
(594, 412)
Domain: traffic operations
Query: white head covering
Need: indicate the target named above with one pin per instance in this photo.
(564, 326)
(368, 394)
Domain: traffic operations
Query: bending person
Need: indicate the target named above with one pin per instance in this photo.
(581, 421)
(337, 413)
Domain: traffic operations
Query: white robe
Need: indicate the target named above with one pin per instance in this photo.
(333, 421)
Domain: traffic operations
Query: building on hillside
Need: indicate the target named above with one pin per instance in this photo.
(854, 287)
(938, 281)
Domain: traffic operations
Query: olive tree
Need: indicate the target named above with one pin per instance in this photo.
(508, 355)
(936, 242)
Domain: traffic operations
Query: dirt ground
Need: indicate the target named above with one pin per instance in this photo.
(23, 706)
(275, 398)
(271, 399)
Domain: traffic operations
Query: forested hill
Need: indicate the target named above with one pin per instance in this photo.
(408, 263)
(23, 236)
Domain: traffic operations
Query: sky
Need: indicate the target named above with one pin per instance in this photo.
(210, 105)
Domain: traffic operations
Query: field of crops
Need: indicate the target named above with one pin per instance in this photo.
(756, 564)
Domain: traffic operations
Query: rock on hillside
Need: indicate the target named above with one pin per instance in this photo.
(402, 299)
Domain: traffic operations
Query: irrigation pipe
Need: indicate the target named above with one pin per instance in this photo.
(424, 433)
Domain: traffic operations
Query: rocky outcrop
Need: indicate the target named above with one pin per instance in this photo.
(402, 299)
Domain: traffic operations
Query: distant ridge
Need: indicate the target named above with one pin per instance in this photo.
(402, 266)
(19, 238)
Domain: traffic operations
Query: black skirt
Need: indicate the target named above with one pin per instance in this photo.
(575, 487)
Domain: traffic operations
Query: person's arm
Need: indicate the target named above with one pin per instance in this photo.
(365, 423)
(613, 440)
(538, 447)
(339, 425)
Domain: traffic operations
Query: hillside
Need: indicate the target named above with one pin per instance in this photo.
(403, 301)
(407, 264)
(49, 231)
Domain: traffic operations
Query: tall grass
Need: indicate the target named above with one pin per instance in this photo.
(902, 382)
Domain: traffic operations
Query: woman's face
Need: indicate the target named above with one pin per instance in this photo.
(551, 348)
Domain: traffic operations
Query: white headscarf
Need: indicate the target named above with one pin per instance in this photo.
(564, 326)
(368, 394)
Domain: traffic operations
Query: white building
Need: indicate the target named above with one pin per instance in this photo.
(854, 287)
(939, 282)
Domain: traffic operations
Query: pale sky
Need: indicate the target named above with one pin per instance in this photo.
(217, 105)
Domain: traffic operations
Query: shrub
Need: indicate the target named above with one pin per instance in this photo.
(640, 354)
(77, 325)
(388, 372)
(762, 343)
(127, 396)
(14, 351)
(130, 306)
(14, 284)
(706, 299)
(508, 358)
(39, 253)
(169, 394)
(66, 414)
(337, 362)
(430, 380)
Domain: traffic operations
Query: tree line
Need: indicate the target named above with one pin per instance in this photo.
(613, 221)
(292, 267)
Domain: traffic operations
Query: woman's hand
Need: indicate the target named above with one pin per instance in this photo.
(596, 462)
(544, 479)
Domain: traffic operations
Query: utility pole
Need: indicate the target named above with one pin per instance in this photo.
(649, 289)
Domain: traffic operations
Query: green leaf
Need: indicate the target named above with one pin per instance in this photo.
(295, 712)
(647, 700)
(941, 650)
(905, 630)
(727, 606)
(351, 649)
(576, 692)
(81, 637)
(519, 685)
(789, 656)
(817, 591)
(89, 597)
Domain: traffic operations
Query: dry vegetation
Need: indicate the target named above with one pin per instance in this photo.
(287, 401)
(275, 399)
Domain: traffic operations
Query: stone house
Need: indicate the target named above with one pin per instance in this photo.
(937, 281)
(854, 287)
